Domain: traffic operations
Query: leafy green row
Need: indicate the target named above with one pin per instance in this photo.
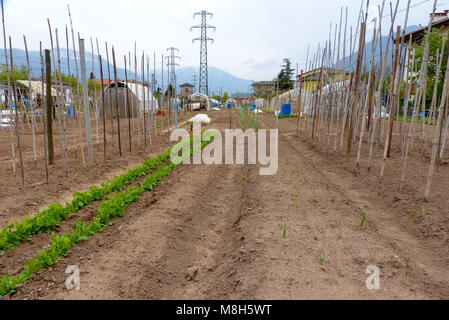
(50, 217)
(242, 117)
(251, 119)
(114, 207)
(288, 116)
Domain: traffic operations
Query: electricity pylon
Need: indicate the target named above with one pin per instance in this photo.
(171, 63)
(203, 80)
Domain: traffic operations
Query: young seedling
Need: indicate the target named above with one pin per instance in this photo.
(391, 261)
(321, 255)
(259, 233)
(297, 205)
(276, 194)
(334, 198)
(363, 221)
(304, 178)
(315, 237)
(294, 197)
(327, 186)
(284, 233)
(412, 213)
(314, 203)
(261, 281)
(286, 160)
(423, 213)
(243, 178)
(331, 282)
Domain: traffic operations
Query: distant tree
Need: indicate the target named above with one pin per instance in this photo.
(285, 76)
(20, 73)
(225, 96)
(169, 90)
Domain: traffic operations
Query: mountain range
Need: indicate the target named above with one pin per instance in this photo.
(219, 80)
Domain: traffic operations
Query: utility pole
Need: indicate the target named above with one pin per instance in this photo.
(203, 80)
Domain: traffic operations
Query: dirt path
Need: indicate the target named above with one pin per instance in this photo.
(217, 232)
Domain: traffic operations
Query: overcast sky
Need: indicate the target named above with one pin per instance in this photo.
(251, 40)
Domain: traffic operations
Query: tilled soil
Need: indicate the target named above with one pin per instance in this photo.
(225, 232)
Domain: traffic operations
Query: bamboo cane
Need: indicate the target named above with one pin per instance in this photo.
(138, 102)
(127, 103)
(17, 117)
(436, 143)
(422, 79)
(116, 103)
(77, 95)
(95, 91)
(102, 108)
(150, 107)
(394, 90)
(144, 100)
(110, 95)
(86, 101)
(43, 113)
(370, 81)
(61, 118)
(30, 99)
